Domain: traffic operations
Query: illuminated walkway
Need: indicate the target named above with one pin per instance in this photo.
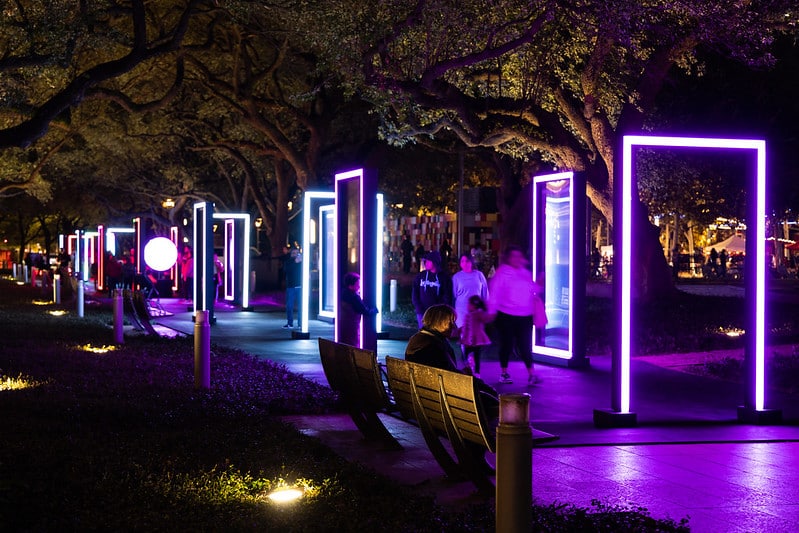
(687, 456)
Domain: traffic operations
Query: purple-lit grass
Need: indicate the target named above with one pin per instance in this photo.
(123, 442)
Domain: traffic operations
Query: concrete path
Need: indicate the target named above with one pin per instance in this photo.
(688, 456)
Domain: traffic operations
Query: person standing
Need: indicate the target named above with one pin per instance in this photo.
(219, 273)
(407, 254)
(187, 274)
(446, 253)
(113, 272)
(419, 256)
(431, 286)
(513, 303)
(466, 283)
(351, 310)
(292, 270)
(473, 334)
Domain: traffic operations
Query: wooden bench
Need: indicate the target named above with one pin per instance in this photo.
(449, 404)
(355, 374)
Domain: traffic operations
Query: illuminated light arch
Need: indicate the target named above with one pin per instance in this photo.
(754, 408)
(370, 246)
(553, 195)
(311, 199)
(236, 257)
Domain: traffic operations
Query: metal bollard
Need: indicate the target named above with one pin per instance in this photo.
(392, 296)
(202, 351)
(514, 496)
(57, 288)
(118, 307)
(80, 298)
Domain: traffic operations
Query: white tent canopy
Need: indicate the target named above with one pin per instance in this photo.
(734, 245)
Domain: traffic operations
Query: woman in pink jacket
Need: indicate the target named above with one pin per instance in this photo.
(513, 303)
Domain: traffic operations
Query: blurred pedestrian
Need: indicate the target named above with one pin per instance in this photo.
(473, 334)
(513, 303)
(292, 270)
(407, 254)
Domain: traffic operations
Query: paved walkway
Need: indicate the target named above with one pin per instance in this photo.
(688, 457)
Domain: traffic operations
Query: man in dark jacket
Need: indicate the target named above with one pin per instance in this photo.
(431, 286)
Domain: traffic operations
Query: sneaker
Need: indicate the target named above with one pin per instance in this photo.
(288, 326)
(505, 378)
(532, 379)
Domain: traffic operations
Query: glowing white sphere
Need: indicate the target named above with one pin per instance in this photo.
(160, 254)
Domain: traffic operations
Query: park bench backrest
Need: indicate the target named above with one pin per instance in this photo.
(336, 363)
(367, 370)
(353, 372)
(448, 401)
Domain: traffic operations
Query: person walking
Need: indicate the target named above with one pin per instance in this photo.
(473, 334)
(431, 286)
(513, 303)
(292, 270)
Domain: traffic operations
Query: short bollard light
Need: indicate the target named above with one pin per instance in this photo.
(202, 350)
(118, 310)
(80, 298)
(514, 496)
(57, 288)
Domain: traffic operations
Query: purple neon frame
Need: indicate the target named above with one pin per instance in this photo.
(567, 175)
(624, 263)
(341, 177)
(229, 255)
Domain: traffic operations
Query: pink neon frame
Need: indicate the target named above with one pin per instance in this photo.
(340, 177)
(625, 259)
(308, 198)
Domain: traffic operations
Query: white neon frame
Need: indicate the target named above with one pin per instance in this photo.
(624, 264)
(199, 220)
(139, 248)
(567, 175)
(325, 211)
(245, 279)
(308, 197)
(343, 176)
(111, 245)
(173, 272)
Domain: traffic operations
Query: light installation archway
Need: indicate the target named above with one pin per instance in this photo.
(359, 244)
(313, 245)
(559, 254)
(236, 258)
(624, 193)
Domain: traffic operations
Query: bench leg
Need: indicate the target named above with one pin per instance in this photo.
(373, 429)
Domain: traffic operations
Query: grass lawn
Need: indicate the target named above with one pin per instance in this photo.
(120, 440)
